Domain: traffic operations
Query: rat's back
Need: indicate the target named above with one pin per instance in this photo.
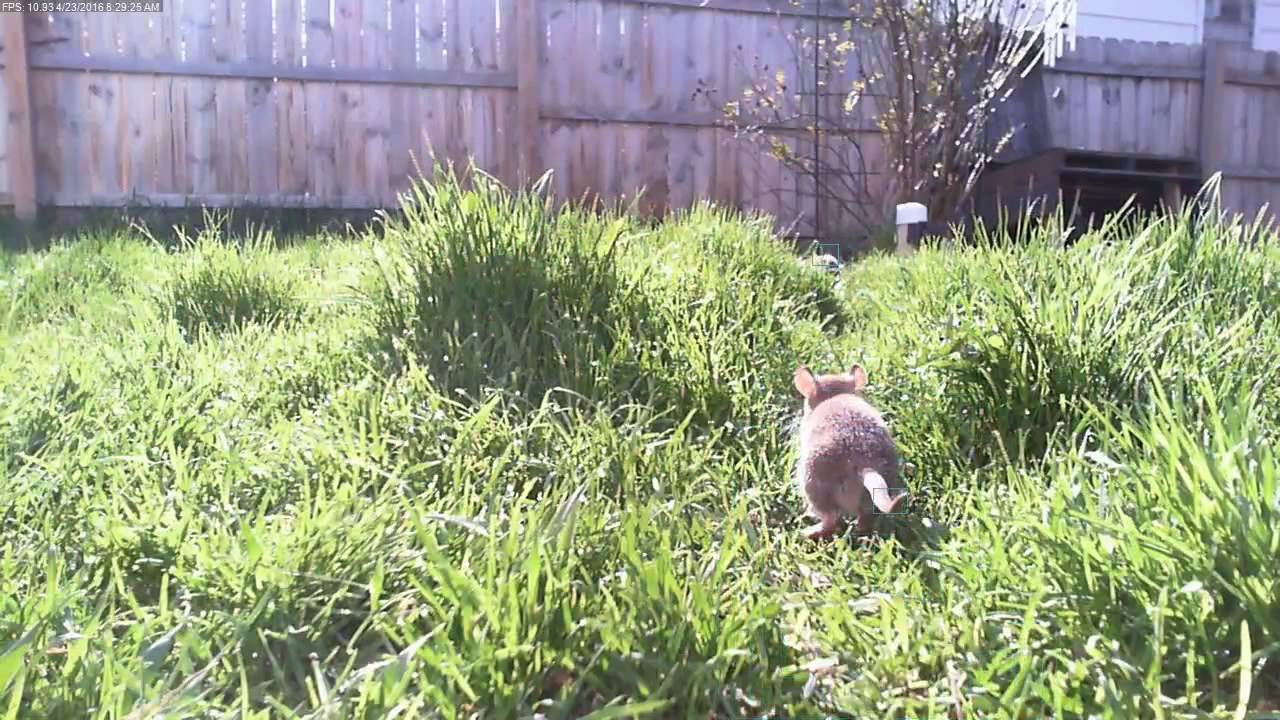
(844, 435)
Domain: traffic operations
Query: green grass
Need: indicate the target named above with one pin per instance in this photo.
(503, 461)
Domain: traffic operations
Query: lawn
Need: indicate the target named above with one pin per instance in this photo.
(498, 461)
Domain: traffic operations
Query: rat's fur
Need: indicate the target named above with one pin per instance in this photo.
(848, 459)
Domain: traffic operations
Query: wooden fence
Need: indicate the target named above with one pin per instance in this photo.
(323, 103)
(1214, 105)
(290, 104)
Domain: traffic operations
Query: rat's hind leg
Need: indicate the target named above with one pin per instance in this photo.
(823, 503)
(825, 528)
(856, 502)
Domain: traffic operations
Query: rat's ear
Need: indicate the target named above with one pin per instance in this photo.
(859, 377)
(805, 382)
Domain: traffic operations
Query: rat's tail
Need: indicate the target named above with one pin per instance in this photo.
(879, 489)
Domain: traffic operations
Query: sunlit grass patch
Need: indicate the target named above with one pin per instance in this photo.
(508, 461)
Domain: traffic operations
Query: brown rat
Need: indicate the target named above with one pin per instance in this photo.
(848, 461)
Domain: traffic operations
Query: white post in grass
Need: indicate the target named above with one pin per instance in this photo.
(909, 214)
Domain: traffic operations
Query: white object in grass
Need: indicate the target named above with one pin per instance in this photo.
(912, 213)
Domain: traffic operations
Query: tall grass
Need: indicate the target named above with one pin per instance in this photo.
(224, 286)
(510, 461)
(492, 289)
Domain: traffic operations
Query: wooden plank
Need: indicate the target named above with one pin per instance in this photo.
(455, 119)
(432, 129)
(1179, 94)
(683, 42)
(1165, 130)
(1079, 98)
(1127, 173)
(502, 108)
(431, 37)
(482, 23)
(1191, 133)
(698, 158)
(586, 63)
(610, 50)
(1235, 106)
(262, 156)
(213, 200)
(1057, 108)
(1210, 108)
(655, 163)
(529, 36)
(376, 107)
(291, 101)
(349, 115)
(794, 8)
(430, 57)
(657, 59)
(1077, 109)
(106, 164)
(230, 159)
(1251, 78)
(1090, 136)
(750, 41)
(141, 36)
(53, 98)
(321, 99)
(726, 185)
(483, 130)
(575, 176)
(458, 107)
(166, 124)
(632, 94)
(691, 164)
(643, 84)
(455, 38)
(1256, 136)
(402, 121)
(675, 118)
(35, 107)
(1132, 97)
(311, 73)
(1270, 156)
(459, 118)
(556, 138)
(680, 178)
(19, 140)
(1109, 126)
(200, 97)
(1123, 69)
(1157, 131)
(173, 171)
(509, 28)
(586, 83)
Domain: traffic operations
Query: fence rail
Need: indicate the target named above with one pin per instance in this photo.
(295, 104)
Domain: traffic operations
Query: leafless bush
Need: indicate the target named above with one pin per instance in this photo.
(897, 98)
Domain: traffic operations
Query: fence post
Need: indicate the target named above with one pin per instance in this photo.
(1211, 107)
(528, 39)
(17, 127)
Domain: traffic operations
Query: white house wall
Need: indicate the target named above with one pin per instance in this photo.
(1266, 25)
(1180, 21)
